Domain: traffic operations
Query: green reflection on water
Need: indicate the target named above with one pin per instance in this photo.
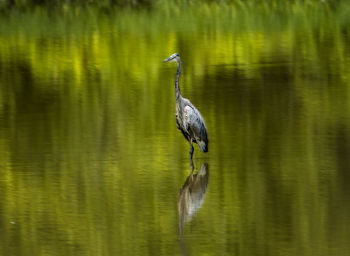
(91, 162)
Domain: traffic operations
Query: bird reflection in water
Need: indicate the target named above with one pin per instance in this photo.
(191, 197)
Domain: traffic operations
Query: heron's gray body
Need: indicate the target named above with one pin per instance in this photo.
(190, 122)
(188, 119)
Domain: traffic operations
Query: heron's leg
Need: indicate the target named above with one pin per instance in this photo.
(191, 150)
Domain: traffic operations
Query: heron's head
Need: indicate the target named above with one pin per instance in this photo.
(174, 57)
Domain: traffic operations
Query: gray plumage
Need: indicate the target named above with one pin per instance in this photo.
(188, 119)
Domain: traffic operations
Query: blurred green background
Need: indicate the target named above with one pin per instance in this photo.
(91, 162)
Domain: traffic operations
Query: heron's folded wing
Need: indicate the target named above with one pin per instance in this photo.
(193, 122)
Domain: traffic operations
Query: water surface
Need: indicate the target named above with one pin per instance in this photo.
(91, 162)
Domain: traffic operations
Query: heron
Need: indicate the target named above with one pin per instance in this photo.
(188, 119)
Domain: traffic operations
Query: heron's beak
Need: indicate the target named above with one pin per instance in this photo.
(169, 59)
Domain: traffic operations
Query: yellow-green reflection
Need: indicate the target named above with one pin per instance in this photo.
(90, 158)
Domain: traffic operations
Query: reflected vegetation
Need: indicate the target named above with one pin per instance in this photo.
(90, 156)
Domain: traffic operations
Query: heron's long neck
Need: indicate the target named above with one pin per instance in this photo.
(177, 81)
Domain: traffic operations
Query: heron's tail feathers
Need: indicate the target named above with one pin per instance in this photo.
(203, 145)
